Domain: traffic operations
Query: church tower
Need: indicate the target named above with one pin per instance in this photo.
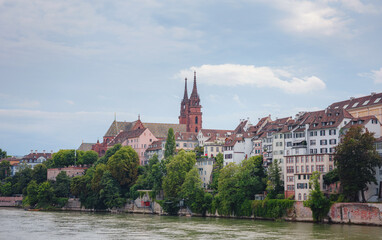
(183, 117)
(191, 110)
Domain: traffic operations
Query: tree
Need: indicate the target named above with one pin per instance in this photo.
(32, 190)
(170, 146)
(110, 152)
(123, 165)
(218, 165)
(177, 169)
(6, 189)
(229, 194)
(3, 154)
(62, 185)
(356, 160)
(5, 169)
(199, 151)
(63, 158)
(275, 183)
(317, 202)
(110, 191)
(39, 173)
(88, 157)
(192, 191)
(45, 196)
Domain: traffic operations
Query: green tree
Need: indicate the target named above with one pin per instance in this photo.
(63, 158)
(252, 177)
(356, 160)
(193, 192)
(62, 185)
(45, 195)
(22, 179)
(88, 157)
(170, 146)
(275, 183)
(123, 165)
(110, 152)
(3, 154)
(32, 190)
(5, 169)
(331, 177)
(39, 173)
(229, 194)
(199, 151)
(317, 202)
(110, 191)
(177, 169)
(218, 165)
(6, 189)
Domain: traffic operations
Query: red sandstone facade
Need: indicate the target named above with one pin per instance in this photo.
(190, 109)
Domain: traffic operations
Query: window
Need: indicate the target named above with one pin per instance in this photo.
(289, 144)
(290, 169)
(184, 144)
(299, 196)
(346, 106)
(307, 169)
(377, 100)
(332, 132)
(355, 104)
(320, 168)
(322, 133)
(290, 179)
(312, 168)
(312, 142)
(366, 102)
(323, 150)
(304, 196)
(290, 187)
(196, 120)
(332, 141)
(323, 142)
(297, 169)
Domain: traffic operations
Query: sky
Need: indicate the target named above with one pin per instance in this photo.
(66, 67)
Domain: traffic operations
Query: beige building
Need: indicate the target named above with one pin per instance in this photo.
(205, 167)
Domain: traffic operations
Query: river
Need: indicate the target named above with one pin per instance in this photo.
(19, 224)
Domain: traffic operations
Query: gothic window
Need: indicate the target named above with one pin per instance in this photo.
(196, 129)
(196, 120)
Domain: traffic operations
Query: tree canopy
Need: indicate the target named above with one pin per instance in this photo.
(356, 160)
(170, 146)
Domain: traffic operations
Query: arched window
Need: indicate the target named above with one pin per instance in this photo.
(299, 196)
(196, 120)
(304, 196)
(196, 129)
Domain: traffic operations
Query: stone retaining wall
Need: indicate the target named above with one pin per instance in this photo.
(11, 201)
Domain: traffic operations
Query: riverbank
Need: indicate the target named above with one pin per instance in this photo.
(340, 213)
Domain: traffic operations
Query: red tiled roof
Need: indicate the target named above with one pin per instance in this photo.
(360, 121)
(353, 103)
(189, 136)
(156, 145)
(123, 135)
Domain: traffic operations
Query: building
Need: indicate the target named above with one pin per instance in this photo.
(370, 105)
(205, 167)
(157, 147)
(34, 158)
(70, 171)
(186, 141)
(139, 139)
(213, 140)
(190, 109)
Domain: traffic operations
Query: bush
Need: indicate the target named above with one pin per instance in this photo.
(246, 208)
(61, 202)
(280, 196)
(273, 208)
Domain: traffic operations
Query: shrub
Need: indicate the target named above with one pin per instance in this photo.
(272, 208)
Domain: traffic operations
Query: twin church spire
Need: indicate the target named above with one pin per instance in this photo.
(190, 109)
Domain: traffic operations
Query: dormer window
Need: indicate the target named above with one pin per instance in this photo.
(366, 102)
(355, 104)
(377, 100)
(346, 106)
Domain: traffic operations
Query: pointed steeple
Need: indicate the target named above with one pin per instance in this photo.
(185, 97)
(194, 93)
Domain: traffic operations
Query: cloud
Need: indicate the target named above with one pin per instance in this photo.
(358, 6)
(314, 18)
(236, 99)
(377, 75)
(249, 75)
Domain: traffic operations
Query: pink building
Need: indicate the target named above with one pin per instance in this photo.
(70, 171)
(138, 139)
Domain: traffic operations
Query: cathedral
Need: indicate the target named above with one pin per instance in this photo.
(190, 122)
(190, 109)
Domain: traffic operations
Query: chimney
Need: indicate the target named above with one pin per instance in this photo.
(352, 98)
(373, 93)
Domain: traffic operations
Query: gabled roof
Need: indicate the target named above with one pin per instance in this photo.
(160, 130)
(85, 147)
(156, 145)
(186, 136)
(360, 121)
(35, 155)
(328, 118)
(123, 135)
(116, 127)
(353, 103)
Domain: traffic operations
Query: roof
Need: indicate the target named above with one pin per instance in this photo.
(328, 118)
(360, 121)
(160, 130)
(156, 145)
(353, 103)
(85, 147)
(123, 135)
(37, 155)
(240, 128)
(116, 127)
(186, 136)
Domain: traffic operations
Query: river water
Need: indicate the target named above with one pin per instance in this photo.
(20, 224)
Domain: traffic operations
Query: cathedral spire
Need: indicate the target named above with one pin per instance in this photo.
(185, 97)
(194, 93)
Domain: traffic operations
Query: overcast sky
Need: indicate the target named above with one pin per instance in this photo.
(67, 66)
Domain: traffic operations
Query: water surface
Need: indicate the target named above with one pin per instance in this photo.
(20, 224)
